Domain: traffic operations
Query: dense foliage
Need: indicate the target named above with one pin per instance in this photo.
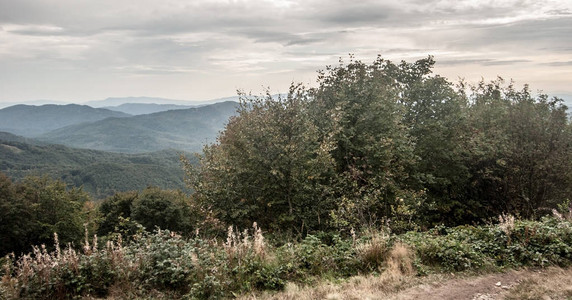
(270, 166)
(31, 211)
(165, 265)
(387, 143)
(151, 208)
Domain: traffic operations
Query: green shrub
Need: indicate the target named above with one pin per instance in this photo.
(175, 267)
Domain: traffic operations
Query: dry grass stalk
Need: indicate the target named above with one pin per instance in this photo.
(551, 283)
(258, 243)
(239, 245)
(506, 223)
(41, 266)
(359, 287)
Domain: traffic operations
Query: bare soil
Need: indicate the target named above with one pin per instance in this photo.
(492, 286)
(544, 284)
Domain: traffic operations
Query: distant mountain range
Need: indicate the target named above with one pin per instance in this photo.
(65, 141)
(117, 101)
(183, 129)
(98, 173)
(34, 102)
(31, 121)
(146, 108)
(173, 127)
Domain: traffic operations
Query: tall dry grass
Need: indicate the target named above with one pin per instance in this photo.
(372, 251)
(240, 246)
(399, 274)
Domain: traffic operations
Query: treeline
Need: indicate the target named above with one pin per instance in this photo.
(387, 143)
(32, 210)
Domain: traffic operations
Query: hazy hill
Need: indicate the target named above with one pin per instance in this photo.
(32, 102)
(100, 173)
(145, 108)
(115, 101)
(31, 121)
(185, 129)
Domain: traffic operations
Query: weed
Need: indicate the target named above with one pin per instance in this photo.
(165, 265)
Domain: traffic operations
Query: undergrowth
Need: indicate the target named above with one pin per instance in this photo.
(163, 264)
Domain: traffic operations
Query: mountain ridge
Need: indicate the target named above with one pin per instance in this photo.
(31, 121)
(184, 129)
(136, 109)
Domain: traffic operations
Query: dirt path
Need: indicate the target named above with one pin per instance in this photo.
(544, 284)
(492, 286)
(552, 283)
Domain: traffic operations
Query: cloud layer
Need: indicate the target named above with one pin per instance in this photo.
(79, 50)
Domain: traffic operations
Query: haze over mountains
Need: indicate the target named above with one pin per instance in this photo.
(129, 127)
(117, 101)
(65, 142)
(146, 108)
(183, 129)
(31, 121)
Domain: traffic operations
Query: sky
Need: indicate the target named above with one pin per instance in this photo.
(80, 50)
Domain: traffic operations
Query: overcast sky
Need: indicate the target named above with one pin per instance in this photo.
(79, 50)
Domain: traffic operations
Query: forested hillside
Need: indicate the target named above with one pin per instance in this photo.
(185, 129)
(31, 121)
(99, 173)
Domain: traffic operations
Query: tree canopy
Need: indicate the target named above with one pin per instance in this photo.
(386, 142)
(33, 210)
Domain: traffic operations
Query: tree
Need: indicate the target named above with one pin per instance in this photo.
(164, 209)
(523, 150)
(151, 208)
(436, 115)
(32, 211)
(269, 166)
(362, 107)
(113, 209)
(15, 219)
(387, 142)
(54, 209)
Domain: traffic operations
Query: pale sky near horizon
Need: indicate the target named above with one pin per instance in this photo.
(80, 50)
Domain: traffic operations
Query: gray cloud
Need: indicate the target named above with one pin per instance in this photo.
(121, 44)
(483, 62)
(559, 63)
